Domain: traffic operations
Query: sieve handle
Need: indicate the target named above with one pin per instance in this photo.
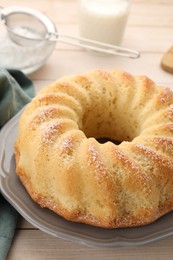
(95, 45)
(1, 13)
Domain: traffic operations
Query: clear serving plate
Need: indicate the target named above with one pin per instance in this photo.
(51, 223)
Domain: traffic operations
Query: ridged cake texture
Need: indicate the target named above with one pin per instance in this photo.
(63, 166)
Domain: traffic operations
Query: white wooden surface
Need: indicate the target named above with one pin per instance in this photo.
(150, 30)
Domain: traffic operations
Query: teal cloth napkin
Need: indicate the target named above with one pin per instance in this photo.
(16, 90)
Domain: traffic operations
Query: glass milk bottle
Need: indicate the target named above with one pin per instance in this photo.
(103, 20)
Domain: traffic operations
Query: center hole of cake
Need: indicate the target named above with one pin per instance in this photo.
(103, 140)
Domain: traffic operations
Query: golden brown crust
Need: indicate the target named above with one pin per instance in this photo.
(66, 170)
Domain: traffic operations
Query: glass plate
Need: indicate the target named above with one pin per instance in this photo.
(55, 225)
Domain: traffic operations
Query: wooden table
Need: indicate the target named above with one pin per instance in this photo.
(149, 30)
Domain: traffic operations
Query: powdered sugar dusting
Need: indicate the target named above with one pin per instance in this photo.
(67, 145)
(166, 96)
(49, 132)
(133, 169)
(41, 117)
(158, 160)
(170, 112)
(165, 143)
(95, 162)
(125, 161)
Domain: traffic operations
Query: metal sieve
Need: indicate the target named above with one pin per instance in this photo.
(27, 27)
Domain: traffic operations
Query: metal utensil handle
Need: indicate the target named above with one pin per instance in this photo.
(94, 45)
(1, 13)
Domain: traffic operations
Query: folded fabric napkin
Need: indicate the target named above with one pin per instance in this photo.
(15, 91)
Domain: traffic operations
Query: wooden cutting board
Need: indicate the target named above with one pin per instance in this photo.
(167, 61)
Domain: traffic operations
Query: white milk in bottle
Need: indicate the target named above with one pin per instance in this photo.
(103, 20)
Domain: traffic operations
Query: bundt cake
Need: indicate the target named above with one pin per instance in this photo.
(65, 168)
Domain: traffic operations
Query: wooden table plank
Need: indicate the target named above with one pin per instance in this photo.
(36, 245)
(65, 62)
